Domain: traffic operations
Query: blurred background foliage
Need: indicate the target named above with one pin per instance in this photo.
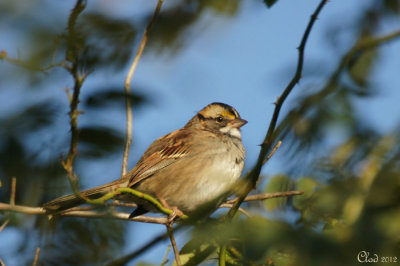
(351, 198)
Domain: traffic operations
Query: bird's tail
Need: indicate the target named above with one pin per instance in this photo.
(73, 200)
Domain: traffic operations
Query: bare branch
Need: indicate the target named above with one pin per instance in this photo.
(230, 205)
(128, 81)
(173, 243)
(88, 212)
(361, 45)
(254, 174)
(276, 147)
(21, 63)
(329, 87)
(84, 214)
(165, 259)
(125, 259)
(37, 252)
(119, 203)
(13, 190)
(4, 225)
(266, 196)
(72, 56)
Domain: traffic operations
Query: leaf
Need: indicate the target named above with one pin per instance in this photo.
(308, 185)
(361, 66)
(97, 141)
(108, 41)
(196, 256)
(32, 118)
(276, 184)
(270, 3)
(113, 97)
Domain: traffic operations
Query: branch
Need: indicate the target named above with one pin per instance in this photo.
(36, 259)
(13, 190)
(252, 177)
(265, 196)
(144, 248)
(276, 147)
(125, 259)
(230, 205)
(4, 225)
(137, 194)
(30, 66)
(111, 214)
(165, 259)
(173, 243)
(22, 63)
(128, 81)
(84, 214)
(360, 46)
(72, 55)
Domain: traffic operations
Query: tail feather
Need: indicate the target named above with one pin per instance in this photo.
(70, 201)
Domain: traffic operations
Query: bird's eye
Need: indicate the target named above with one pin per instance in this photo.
(220, 119)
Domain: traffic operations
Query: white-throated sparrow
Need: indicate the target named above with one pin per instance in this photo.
(186, 168)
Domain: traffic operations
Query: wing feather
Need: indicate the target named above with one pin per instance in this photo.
(161, 153)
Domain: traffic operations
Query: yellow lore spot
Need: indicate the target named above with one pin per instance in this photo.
(228, 114)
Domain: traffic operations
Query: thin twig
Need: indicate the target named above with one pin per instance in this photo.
(4, 225)
(84, 214)
(254, 174)
(37, 252)
(13, 190)
(72, 55)
(165, 259)
(27, 65)
(137, 194)
(276, 147)
(128, 81)
(265, 196)
(359, 47)
(230, 205)
(125, 259)
(119, 203)
(173, 243)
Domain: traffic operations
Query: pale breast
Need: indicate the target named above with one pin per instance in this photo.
(199, 178)
(214, 177)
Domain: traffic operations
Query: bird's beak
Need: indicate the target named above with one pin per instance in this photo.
(237, 123)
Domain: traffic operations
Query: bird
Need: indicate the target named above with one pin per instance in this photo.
(184, 169)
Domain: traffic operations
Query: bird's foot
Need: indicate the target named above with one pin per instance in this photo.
(176, 214)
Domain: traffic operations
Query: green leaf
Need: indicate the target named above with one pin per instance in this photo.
(308, 185)
(361, 66)
(276, 184)
(197, 255)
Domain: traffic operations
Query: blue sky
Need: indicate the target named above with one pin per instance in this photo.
(244, 61)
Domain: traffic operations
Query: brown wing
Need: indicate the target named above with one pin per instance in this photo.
(161, 153)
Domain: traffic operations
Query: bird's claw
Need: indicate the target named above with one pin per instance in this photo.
(176, 214)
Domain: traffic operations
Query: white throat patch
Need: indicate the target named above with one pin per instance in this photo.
(233, 131)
